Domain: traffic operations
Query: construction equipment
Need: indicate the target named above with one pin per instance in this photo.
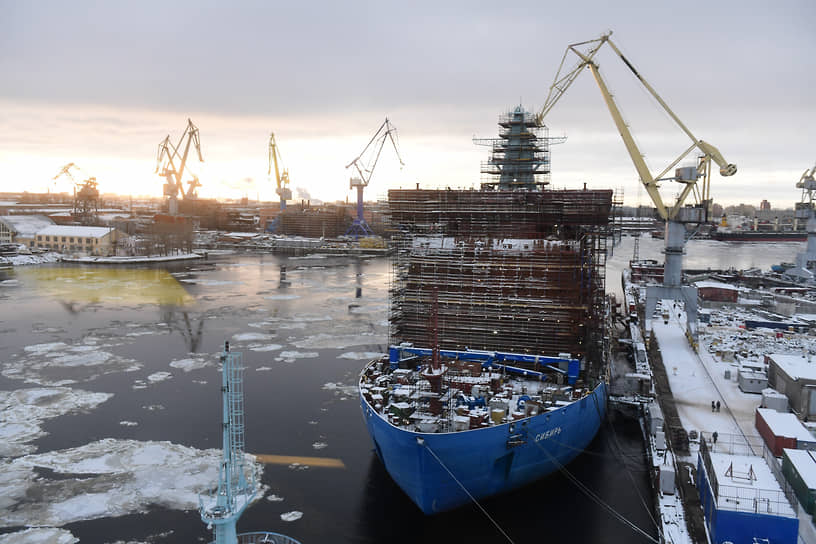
(86, 199)
(282, 180)
(676, 215)
(365, 163)
(170, 164)
(805, 269)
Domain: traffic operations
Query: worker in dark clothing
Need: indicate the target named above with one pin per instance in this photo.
(718, 406)
(714, 437)
(713, 407)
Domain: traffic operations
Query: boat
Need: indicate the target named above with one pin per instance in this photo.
(759, 235)
(497, 371)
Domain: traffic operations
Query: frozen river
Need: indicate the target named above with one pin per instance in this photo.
(110, 404)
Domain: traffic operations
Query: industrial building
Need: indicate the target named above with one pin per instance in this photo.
(89, 240)
(795, 377)
(22, 229)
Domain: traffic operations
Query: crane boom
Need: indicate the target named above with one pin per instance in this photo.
(688, 177)
(282, 179)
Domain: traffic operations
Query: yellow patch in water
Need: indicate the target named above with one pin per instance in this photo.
(109, 284)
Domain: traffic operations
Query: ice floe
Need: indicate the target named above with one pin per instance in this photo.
(267, 347)
(58, 363)
(23, 411)
(281, 297)
(159, 377)
(298, 355)
(251, 337)
(192, 363)
(126, 423)
(320, 445)
(360, 355)
(345, 391)
(109, 478)
(333, 341)
(274, 498)
(39, 535)
(294, 515)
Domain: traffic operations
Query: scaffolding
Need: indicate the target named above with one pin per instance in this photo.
(510, 271)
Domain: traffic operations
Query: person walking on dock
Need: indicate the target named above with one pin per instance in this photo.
(718, 406)
(712, 406)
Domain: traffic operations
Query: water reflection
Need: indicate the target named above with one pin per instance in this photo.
(76, 288)
(180, 322)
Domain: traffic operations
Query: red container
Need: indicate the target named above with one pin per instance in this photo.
(775, 442)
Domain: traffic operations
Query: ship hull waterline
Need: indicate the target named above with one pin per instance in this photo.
(484, 461)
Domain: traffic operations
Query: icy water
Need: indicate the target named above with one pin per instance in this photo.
(109, 391)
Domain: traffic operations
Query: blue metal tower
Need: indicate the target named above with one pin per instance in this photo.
(235, 490)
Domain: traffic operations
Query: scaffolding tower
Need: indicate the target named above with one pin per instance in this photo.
(520, 156)
(510, 271)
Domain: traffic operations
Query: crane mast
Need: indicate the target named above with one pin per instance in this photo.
(675, 215)
(364, 164)
(171, 162)
(86, 200)
(282, 180)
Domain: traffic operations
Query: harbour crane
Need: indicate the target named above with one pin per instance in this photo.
(86, 199)
(171, 162)
(676, 215)
(804, 211)
(365, 163)
(282, 180)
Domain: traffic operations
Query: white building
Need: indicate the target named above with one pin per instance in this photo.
(22, 229)
(76, 239)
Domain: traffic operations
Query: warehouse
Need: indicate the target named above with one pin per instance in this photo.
(77, 239)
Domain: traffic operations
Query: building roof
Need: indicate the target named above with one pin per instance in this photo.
(715, 285)
(732, 472)
(787, 425)
(26, 225)
(795, 366)
(805, 465)
(74, 230)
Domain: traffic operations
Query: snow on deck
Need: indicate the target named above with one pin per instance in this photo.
(692, 386)
(746, 484)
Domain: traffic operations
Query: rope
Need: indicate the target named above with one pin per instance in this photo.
(438, 460)
(595, 498)
(632, 478)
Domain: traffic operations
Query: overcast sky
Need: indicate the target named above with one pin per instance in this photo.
(102, 83)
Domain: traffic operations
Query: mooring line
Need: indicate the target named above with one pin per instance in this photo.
(422, 442)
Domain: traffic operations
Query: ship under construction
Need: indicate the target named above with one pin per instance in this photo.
(496, 375)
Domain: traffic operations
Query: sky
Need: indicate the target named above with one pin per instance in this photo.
(101, 83)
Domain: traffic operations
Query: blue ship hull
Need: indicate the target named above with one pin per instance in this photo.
(485, 461)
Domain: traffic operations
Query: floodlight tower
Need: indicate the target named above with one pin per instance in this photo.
(365, 169)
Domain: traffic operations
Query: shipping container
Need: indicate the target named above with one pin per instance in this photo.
(783, 431)
(799, 469)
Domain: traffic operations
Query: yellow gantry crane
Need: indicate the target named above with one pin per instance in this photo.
(695, 179)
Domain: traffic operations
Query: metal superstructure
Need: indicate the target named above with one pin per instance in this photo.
(364, 164)
(236, 487)
(171, 162)
(520, 156)
(694, 179)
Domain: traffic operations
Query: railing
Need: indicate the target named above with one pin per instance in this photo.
(264, 537)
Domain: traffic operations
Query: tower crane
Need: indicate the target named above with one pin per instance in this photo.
(171, 162)
(86, 199)
(675, 215)
(365, 163)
